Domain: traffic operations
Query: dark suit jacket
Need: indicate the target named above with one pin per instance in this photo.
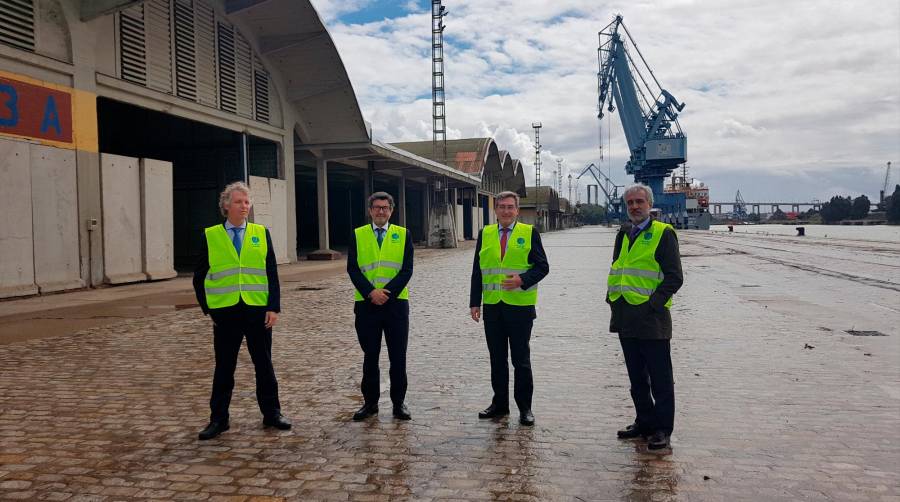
(650, 320)
(495, 312)
(395, 286)
(271, 272)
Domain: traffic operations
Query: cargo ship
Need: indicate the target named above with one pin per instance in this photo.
(696, 197)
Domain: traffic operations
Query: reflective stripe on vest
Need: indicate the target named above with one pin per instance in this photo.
(515, 261)
(232, 278)
(380, 264)
(635, 274)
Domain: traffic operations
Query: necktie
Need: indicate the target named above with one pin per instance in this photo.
(633, 233)
(236, 239)
(380, 234)
(504, 236)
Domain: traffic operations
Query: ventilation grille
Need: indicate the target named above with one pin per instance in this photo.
(185, 50)
(159, 50)
(227, 87)
(205, 37)
(17, 23)
(261, 93)
(133, 47)
(243, 57)
(181, 47)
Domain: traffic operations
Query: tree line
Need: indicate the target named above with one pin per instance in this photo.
(845, 208)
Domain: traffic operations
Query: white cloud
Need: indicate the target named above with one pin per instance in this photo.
(773, 89)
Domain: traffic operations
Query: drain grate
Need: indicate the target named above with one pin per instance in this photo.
(864, 333)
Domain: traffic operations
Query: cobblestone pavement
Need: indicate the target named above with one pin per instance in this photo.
(775, 400)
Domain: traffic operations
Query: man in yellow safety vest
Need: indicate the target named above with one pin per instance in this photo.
(236, 282)
(645, 273)
(509, 263)
(380, 264)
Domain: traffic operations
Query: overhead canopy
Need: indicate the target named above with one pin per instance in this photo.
(389, 159)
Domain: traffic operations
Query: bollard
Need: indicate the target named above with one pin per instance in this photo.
(801, 231)
(731, 228)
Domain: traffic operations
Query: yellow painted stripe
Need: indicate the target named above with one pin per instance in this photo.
(84, 121)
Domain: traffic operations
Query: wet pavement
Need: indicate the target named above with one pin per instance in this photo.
(775, 400)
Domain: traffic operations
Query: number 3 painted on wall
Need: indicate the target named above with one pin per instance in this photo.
(12, 104)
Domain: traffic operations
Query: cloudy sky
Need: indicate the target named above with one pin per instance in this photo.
(786, 100)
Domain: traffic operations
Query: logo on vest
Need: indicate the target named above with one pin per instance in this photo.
(395, 237)
(520, 242)
(648, 236)
(255, 241)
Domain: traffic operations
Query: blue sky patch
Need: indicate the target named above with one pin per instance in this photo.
(379, 10)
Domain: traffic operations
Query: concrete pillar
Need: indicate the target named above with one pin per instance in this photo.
(323, 253)
(367, 183)
(244, 148)
(401, 199)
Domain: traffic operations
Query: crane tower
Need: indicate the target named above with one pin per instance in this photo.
(648, 113)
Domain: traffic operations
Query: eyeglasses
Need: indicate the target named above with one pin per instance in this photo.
(380, 208)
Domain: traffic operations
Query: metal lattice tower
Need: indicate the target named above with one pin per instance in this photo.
(537, 153)
(438, 117)
(559, 175)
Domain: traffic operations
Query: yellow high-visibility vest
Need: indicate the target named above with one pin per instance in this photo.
(380, 264)
(231, 277)
(515, 261)
(636, 274)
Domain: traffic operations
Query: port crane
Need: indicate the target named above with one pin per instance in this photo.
(648, 113)
(739, 210)
(609, 188)
(887, 182)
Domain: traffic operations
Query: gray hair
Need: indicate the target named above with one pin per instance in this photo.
(639, 186)
(225, 196)
(508, 194)
(381, 196)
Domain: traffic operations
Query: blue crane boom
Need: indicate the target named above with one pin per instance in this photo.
(648, 113)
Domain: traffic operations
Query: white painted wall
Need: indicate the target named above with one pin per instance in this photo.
(262, 201)
(458, 208)
(54, 195)
(157, 215)
(120, 185)
(270, 209)
(279, 229)
(16, 240)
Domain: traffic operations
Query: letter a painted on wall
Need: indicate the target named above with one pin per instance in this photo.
(51, 117)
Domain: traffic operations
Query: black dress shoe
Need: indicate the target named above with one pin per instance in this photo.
(365, 412)
(658, 441)
(278, 421)
(493, 411)
(401, 412)
(526, 418)
(631, 432)
(212, 430)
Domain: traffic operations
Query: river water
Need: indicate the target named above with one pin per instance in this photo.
(878, 233)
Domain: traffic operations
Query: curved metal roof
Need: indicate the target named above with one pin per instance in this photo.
(293, 41)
